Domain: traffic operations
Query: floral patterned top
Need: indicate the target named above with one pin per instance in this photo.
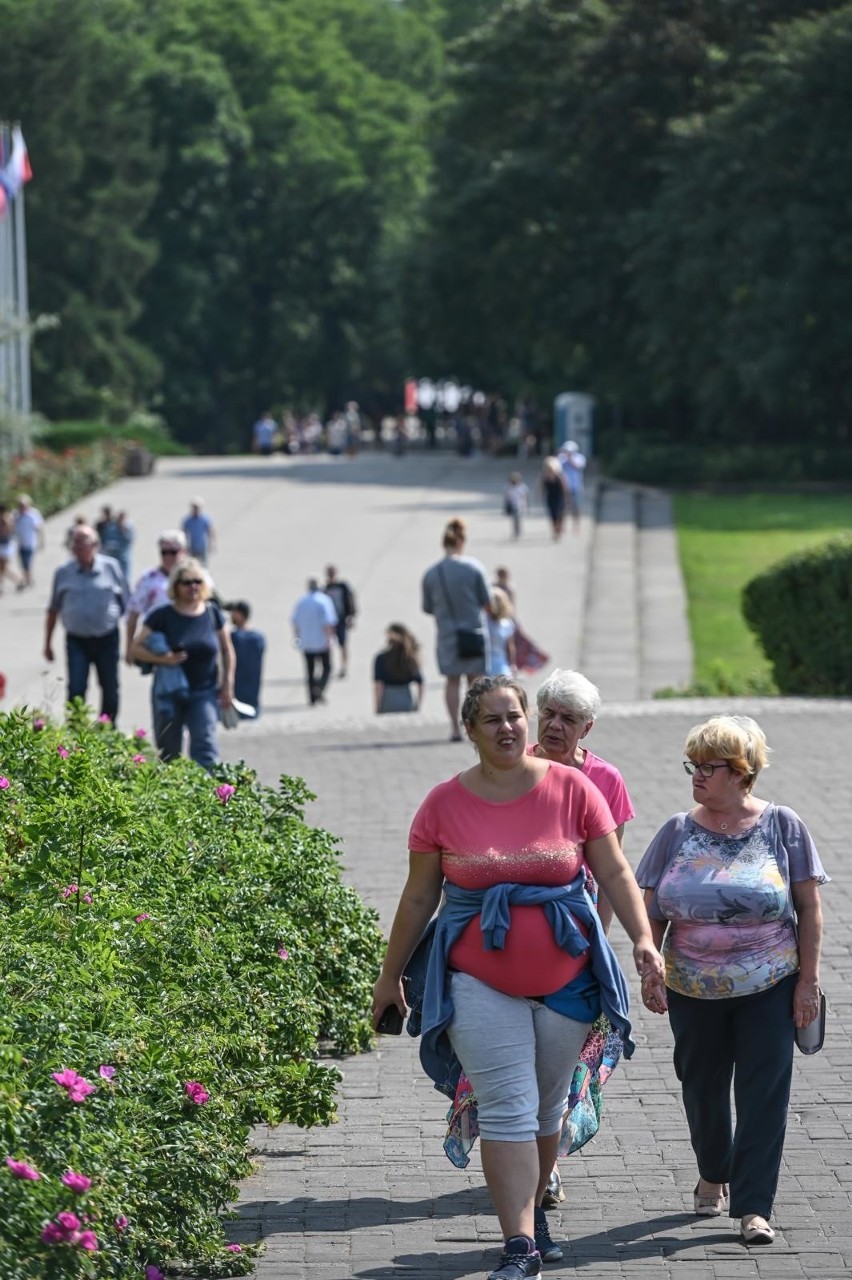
(728, 903)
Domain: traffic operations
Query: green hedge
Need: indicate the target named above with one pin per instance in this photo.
(147, 430)
(684, 464)
(800, 611)
(183, 943)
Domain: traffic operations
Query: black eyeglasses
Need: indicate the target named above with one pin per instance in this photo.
(190, 582)
(168, 551)
(703, 770)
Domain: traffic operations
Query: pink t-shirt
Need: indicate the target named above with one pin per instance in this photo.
(536, 839)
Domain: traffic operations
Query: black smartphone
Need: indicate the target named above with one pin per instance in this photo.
(390, 1023)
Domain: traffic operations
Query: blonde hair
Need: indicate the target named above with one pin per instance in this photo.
(501, 605)
(190, 568)
(739, 740)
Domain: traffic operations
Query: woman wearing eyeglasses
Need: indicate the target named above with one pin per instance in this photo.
(189, 644)
(732, 891)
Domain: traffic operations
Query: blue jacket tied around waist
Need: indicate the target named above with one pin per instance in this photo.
(427, 980)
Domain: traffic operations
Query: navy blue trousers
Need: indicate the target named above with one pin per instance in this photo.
(747, 1040)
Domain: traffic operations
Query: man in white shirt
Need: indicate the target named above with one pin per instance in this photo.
(314, 620)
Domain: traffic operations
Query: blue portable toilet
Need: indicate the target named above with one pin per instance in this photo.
(573, 419)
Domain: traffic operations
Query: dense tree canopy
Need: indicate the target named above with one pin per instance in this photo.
(241, 203)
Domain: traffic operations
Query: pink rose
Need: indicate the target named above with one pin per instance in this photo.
(87, 897)
(284, 953)
(76, 1182)
(53, 1234)
(105, 1072)
(224, 792)
(38, 725)
(153, 1273)
(4, 783)
(87, 1240)
(140, 733)
(64, 752)
(104, 719)
(196, 1092)
(20, 1169)
(69, 891)
(121, 1223)
(143, 916)
(76, 1086)
(68, 1221)
(233, 1248)
(138, 759)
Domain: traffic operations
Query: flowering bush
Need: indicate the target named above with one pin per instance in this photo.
(169, 964)
(57, 480)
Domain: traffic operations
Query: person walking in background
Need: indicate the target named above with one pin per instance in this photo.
(732, 889)
(152, 589)
(501, 635)
(573, 464)
(199, 531)
(89, 595)
(249, 648)
(516, 501)
(343, 599)
(78, 520)
(124, 537)
(554, 490)
(188, 644)
(7, 542)
(263, 434)
(528, 656)
(455, 592)
(395, 670)
(314, 622)
(29, 535)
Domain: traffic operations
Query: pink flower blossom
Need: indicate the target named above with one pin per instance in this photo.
(233, 1248)
(121, 1223)
(196, 1092)
(20, 1169)
(87, 1240)
(69, 890)
(4, 783)
(144, 916)
(76, 1182)
(105, 1072)
(87, 897)
(77, 1087)
(153, 1273)
(38, 725)
(52, 1234)
(68, 1221)
(138, 758)
(284, 953)
(64, 752)
(140, 733)
(224, 792)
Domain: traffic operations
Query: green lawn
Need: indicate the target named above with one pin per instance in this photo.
(724, 541)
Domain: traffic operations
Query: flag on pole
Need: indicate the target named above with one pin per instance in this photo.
(16, 171)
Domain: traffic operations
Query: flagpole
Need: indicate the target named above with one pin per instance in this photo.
(5, 282)
(25, 401)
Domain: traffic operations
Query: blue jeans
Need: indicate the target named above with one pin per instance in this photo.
(198, 713)
(102, 653)
(748, 1039)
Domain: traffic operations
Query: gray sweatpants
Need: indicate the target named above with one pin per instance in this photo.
(518, 1055)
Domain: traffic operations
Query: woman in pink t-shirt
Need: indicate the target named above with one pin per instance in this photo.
(514, 820)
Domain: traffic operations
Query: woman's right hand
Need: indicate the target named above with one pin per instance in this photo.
(387, 991)
(174, 657)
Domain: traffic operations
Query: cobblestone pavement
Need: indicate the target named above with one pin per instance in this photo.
(374, 1197)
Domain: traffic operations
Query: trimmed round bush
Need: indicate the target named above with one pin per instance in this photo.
(800, 611)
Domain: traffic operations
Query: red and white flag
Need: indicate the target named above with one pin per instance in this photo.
(16, 171)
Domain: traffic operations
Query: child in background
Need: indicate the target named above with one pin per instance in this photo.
(249, 648)
(515, 501)
(501, 636)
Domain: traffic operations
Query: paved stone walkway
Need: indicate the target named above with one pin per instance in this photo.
(374, 1197)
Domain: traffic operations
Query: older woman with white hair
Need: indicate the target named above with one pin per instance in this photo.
(568, 705)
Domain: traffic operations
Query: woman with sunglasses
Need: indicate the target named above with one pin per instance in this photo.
(732, 891)
(191, 635)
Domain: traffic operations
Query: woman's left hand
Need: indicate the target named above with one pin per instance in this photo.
(805, 1003)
